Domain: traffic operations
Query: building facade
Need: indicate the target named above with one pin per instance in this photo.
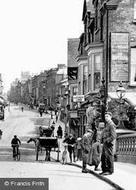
(107, 50)
(72, 117)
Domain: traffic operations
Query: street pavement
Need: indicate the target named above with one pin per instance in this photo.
(25, 125)
(61, 177)
(124, 176)
(124, 173)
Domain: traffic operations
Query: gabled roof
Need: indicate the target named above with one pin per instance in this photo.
(84, 9)
(87, 7)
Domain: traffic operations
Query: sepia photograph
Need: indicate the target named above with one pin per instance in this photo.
(67, 95)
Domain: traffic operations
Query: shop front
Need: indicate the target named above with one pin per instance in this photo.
(82, 118)
(74, 123)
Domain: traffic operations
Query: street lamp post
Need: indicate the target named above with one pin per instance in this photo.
(103, 99)
(121, 93)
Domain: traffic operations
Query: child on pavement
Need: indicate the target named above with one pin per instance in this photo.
(64, 154)
(96, 154)
(79, 148)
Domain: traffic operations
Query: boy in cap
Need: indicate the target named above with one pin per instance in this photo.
(107, 138)
(86, 147)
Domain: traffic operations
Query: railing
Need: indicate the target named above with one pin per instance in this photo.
(126, 148)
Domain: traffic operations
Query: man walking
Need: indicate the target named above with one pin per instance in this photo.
(71, 141)
(107, 138)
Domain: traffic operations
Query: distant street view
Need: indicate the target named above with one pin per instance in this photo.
(26, 125)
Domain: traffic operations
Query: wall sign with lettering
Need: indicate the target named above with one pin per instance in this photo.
(119, 57)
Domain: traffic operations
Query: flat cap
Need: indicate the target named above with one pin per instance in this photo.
(89, 130)
(108, 113)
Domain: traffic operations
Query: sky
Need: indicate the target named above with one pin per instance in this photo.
(34, 34)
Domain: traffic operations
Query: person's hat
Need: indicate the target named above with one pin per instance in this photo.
(89, 130)
(79, 138)
(108, 113)
(71, 135)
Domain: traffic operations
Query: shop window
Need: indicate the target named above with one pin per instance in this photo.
(90, 74)
(94, 71)
(75, 91)
(97, 77)
(89, 82)
(79, 79)
(97, 71)
(85, 76)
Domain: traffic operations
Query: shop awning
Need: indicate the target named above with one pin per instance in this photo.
(130, 97)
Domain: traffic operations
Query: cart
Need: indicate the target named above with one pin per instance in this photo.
(45, 131)
(50, 144)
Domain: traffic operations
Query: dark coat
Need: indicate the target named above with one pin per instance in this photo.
(71, 143)
(86, 145)
(15, 141)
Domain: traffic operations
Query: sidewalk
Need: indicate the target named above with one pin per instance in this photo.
(123, 178)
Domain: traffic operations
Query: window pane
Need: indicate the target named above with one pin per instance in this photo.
(90, 82)
(97, 71)
(75, 91)
(97, 77)
(85, 71)
(97, 65)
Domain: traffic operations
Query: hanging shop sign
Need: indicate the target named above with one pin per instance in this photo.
(78, 98)
(81, 112)
(73, 114)
(119, 56)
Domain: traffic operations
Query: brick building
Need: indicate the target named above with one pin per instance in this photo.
(72, 117)
(107, 49)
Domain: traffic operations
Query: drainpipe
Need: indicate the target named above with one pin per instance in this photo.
(107, 58)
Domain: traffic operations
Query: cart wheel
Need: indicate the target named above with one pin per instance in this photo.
(58, 151)
(18, 156)
(36, 153)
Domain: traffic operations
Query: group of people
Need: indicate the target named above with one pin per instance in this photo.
(94, 148)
